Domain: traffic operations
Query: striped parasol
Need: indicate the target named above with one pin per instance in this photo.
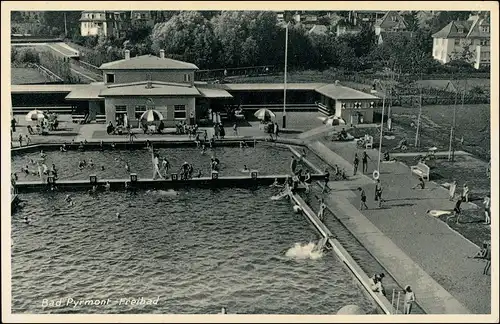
(35, 115)
(151, 115)
(263, 113)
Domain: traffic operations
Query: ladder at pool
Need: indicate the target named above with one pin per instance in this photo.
(397, 302)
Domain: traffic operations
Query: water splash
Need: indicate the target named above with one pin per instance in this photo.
(304, 251)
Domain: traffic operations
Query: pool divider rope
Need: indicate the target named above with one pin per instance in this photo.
(343, 255)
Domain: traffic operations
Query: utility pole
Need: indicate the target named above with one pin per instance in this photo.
(381, 132)
(286, 62)
(419, 114)
(452, 130)
(454, 123)
(65, 26)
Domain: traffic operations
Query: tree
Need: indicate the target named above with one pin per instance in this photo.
(411, 20)
(187, 34)
(443, 18)
(249, 52)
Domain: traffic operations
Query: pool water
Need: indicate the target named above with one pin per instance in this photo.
(198, 251)
(266, 159)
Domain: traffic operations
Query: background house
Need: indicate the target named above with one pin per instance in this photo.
(468, 40)
(392, 21)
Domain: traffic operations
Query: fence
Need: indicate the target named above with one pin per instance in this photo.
(205, 75)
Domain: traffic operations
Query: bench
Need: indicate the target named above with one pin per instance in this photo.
(421, 169)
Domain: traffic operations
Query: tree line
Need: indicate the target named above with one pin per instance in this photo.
(228, 39)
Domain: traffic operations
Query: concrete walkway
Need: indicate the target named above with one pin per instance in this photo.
(415, 248)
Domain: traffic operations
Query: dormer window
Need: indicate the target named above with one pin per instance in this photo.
(461, 30)
(394, 18)
(187, 77)
(485, 29)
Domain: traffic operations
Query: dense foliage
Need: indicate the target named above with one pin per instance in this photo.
(227, 39)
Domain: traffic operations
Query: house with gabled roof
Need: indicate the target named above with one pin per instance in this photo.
(461, 37)
(392, 21)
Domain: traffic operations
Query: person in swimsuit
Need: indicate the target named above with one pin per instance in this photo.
(456, 210)
(363, 199)
(485, 254)
(356, 163)
(408, 300)
(487, 212)
(308, 180)
(365, 159)
(327, 179)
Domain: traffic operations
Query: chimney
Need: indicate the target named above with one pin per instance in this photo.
(127, 54)
(162, 54)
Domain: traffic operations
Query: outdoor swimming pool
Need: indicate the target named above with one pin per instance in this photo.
(267, 159)
(198, 251)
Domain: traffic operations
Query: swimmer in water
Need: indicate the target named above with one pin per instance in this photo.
(107, 186)
(91, 163)
(118, 215)
(245, 169)
(63, 148)
(45, 170)
(26, 220)
(102, 167)
(127, 167)
(69, 200)
(276, 184)
(199, 173)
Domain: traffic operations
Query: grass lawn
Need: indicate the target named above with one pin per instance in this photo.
(472, 122)
(441, 84)
(27, 76)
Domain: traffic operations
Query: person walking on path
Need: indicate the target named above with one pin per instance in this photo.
(363, 199)
(378, 193)
(485, 254)
(356, 163)
(235, 129)
(420, 183)
(327, 179)
(365, 159)
(487, 212)
(453, 187)
(20, 140)
(465, 193)
(276, 130)
(456, 210)
(409, 300)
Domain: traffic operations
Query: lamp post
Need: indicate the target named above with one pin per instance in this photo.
(381, 122)
(286, 62)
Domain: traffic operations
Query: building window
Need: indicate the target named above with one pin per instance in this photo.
(394, 18)
(187, 77)
(110, 78)
(461, 30)
(485, 29)
(457, 42)
(484, 42)
(121, 109)
(179, 112)
(139, 110)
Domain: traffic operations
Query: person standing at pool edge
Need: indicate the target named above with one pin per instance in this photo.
(365, 161)
(409, 300)
(356, 163)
